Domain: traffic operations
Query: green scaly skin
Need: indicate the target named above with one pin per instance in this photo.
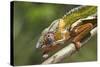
(79, 13)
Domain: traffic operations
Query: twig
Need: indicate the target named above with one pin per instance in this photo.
(67, 51)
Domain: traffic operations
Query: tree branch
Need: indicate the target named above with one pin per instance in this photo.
(68, 50)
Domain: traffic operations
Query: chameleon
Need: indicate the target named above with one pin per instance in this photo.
(65, 28)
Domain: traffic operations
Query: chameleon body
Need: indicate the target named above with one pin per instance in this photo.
(64, 29)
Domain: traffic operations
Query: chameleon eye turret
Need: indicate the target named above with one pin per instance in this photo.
(49, 38)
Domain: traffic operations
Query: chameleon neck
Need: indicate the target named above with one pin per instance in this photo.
(78, 13)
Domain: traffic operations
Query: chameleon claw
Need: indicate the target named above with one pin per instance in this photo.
(77, 45)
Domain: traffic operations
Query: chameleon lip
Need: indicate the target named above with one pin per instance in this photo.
(43, 46)
(45, 56)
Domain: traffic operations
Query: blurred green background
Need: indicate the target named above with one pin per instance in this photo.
(30, 19)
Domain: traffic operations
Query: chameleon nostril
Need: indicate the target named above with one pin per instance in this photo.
(48, 36)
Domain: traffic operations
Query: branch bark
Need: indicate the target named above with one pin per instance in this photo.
(68, 50)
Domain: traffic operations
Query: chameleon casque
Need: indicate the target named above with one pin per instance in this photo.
(63, 29)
